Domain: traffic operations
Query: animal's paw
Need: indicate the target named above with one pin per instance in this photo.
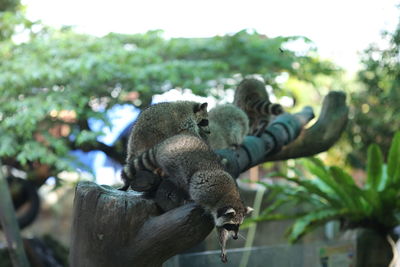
(124, 188)
(145, 181)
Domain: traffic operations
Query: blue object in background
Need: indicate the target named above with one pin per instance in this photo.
(104, 169)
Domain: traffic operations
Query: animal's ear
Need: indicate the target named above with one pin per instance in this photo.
(201, 107)
(204, 106)
(230, 212)
(249, 210)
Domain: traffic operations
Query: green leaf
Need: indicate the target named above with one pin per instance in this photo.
(384, 179)
(86, 136)
(266, 213)
(341, 176)
(374, 167)
(311, 220)
(395, 181)
(317, 189)
(347, 186)
(373, 201)
(317, 168)
(394, 158)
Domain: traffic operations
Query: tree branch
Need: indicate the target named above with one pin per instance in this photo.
(323, 134)
(110, 151)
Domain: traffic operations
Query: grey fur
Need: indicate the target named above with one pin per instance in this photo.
(190, 164)
(251, 97)
(228, 126)
(163, 120)
(159, 122)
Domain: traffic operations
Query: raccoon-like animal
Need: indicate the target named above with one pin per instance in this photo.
(192, 166)
(251, 96)
(228, 126)
(161, 121)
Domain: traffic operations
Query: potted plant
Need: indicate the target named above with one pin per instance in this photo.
(332, 194)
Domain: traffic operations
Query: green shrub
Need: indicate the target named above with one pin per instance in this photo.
(332, 194)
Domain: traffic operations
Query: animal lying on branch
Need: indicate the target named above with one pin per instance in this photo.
(113, 227)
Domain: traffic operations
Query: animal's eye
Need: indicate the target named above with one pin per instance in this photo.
(203, 122)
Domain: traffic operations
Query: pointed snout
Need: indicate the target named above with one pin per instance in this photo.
(235, 236)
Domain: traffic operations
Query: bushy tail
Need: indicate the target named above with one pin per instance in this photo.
(265, 107)
(144, 165)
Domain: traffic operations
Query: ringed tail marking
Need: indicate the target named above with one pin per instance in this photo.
(148, 162)
(265, 107)
(145, 161)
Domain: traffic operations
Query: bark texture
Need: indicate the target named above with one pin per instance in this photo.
(116, 228)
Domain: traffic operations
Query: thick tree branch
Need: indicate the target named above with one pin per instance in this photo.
(189, 224)
(285, 137)
(323, 134)
(110, 151)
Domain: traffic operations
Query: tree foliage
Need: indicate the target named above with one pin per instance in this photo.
(376, 110)
(12, 17)
(9, 5)
(52, 84)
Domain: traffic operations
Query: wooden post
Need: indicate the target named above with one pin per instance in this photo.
(10, 225)
(116, 228)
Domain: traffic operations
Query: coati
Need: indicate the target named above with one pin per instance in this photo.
(228, 126)
(161, 121)
(193, 167)
(251, 96)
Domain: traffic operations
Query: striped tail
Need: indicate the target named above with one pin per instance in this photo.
(265, 107)
(145, 162)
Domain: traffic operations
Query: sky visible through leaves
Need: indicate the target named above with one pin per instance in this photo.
(340, 29)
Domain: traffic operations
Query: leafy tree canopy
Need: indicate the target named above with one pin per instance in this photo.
(376, 109)
(52, 84)
(11, 18)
